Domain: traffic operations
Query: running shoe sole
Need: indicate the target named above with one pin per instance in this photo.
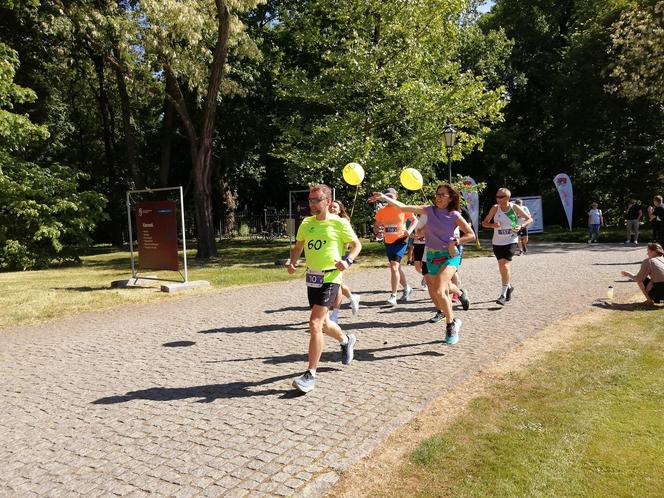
(301, 388)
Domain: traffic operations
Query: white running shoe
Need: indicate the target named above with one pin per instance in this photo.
(355, 303)
(392, 300)
(423, 285)
(406, 293)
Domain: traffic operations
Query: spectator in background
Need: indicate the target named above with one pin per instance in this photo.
(650, 278)
(633, 215)
(656, 216)
(522, 242)
(595, 220)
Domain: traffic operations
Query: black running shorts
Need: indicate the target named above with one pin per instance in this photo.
(418, 252)
(505, 252)
(323, 296)
(523, 232)
(656, 293)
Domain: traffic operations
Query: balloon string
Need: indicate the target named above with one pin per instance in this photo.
(357, 189)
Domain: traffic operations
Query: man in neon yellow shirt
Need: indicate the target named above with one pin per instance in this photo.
(323, 237)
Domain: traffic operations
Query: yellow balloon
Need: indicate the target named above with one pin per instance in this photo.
(411, 179)
(353, 174)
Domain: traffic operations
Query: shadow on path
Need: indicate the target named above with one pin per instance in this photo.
(256, 329)
(626, 306)
(178, 344)
(208, 393)
(328, 356)
(626, 263)
(288, 308)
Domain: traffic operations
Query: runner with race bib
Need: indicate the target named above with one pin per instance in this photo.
(395, 236)
(323, 237)
(503, 217)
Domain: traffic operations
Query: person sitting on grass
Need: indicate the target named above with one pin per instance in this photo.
(650, 278)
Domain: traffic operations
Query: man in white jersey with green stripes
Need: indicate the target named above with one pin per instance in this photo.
(503, 217)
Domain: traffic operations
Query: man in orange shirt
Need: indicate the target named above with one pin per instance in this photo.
(396, 243)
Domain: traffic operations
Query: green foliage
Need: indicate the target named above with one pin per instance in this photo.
(561, 117)
(43, 217)
(638, 41)
(376, 82)
(16, 130)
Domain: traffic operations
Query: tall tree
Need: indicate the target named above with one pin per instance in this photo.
(189, 40)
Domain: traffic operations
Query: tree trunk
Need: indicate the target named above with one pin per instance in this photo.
(114, 203)
(129, 139)
(166, 139)
(228, 202)
(201, 142)
(207, 246)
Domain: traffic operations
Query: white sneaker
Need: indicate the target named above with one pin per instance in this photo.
(423, 285)
(392, 300)
(636, 242)
(355, 303)
(406, 293)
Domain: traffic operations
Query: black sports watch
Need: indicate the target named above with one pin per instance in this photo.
(349, 260)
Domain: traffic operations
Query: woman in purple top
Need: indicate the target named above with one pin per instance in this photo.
(442, 254)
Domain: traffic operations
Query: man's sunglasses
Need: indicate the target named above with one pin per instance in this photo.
(316, 199)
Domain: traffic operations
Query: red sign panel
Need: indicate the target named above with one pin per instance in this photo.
(157, 228)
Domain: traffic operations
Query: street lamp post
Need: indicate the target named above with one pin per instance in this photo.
(450, 141)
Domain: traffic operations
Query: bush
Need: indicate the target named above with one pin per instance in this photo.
(42, 217)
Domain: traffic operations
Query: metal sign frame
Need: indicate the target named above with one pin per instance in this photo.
(134, 273)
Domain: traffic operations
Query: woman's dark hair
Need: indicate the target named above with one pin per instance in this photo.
(455, 199)
(342, 209)
(653, 246)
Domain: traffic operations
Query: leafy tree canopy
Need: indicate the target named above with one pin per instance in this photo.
(376, 82)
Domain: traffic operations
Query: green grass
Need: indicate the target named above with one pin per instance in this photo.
(584, 422)
(41, 295)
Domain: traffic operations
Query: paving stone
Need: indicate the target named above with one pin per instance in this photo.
(94, 404)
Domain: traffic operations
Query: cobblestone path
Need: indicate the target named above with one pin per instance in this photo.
(192, 397)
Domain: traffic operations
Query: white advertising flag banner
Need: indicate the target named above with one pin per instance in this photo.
(472, 203)
(564, 186)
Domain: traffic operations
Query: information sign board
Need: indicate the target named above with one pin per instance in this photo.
(157, 229)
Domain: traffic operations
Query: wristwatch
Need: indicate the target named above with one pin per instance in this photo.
(348, 260)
